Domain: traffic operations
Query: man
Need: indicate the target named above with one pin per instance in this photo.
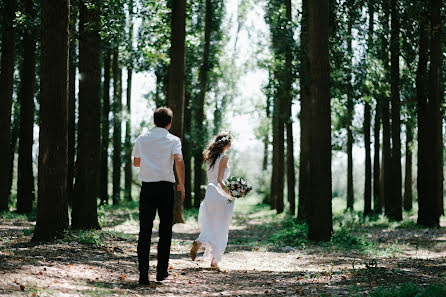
(155, 153)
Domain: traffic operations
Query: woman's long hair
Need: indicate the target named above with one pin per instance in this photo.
(215, 148)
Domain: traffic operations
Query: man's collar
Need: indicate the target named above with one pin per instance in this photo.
(160, 130)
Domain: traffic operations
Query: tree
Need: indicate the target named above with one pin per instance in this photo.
(305, 117)
(430, 148)
(408, 197)
(175, 91)
(117, 118)
(205, 68)
(367, 125)
(52, 206)
(395, 199)
(25, 182)
(386, 174)
(84, 214)
(320, 213)
(105, 129)
(128, 125)
(72, 100)
(291, 179)
(350, 106)
(6, 85)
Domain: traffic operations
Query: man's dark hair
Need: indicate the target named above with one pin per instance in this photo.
(162, 117)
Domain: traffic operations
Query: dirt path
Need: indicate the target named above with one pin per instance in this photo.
(251, 266)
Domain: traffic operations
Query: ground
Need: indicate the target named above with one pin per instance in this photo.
(261, 258)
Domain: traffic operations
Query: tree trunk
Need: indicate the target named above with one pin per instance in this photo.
(15, 127)
(6, 85)
(305, 117)
(128, 124)
(84, 213)
(408, 176)
(25, 181)
(430, 147)
(265, 151)
(377, 197)
(187, 151)
(320, 219)
(105, 135)
(291, 178)
(52, 206)
(395, 203)
(117, 118)
(199, 112)
(72, 108)
(386, 176)
(350, 111)
(368, 163)
(367, 126)
(175, 85)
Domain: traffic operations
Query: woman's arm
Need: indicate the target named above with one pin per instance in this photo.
(221, 173)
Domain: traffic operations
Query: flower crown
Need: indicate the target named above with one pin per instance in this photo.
(224, 139)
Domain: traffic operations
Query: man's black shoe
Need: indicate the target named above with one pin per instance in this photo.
(144, 281)
(160, 276)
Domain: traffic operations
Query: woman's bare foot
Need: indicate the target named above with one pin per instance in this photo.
(194, 250)
(214, 265)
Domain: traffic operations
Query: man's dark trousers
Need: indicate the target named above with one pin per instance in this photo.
(155, 196)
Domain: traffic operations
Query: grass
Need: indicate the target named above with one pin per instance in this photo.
(411, 290)
(95, 237)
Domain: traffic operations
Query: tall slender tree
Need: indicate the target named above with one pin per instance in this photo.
(6, 85)
(320, 217)
(199, 111)
(408, 195)
(424, 189)
(367, 126)
(176, 89)
(105, 128)
(117, 118)
(291, 179)
(72, 100)
(386, 174)
(128, 124)
(305, 116)
(52, 206)
(25, 181)
(84, 213)
(350, 105)
(395, 199)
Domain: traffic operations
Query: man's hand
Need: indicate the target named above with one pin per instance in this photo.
(180, 188)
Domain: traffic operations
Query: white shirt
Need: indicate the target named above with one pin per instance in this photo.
(156, 150)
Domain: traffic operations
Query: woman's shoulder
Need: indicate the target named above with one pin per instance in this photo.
(224, 157)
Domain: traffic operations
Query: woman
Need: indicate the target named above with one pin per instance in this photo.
(215, 212)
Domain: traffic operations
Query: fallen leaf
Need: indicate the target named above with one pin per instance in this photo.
(170, 267)
(343, 277)
(41, 273)
(123, 276)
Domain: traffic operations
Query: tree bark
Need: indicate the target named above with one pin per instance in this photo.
(291, 178)
(408, 176)
(386, 175)
(117, 118)
(199, 112)
(305, 117)
(52, 206)
(367, 125)
(6, 85)
(320, 219)
(350, 110)
(395, 203)
(84, 212)
(105, 135)
(187, 151)
(377, 197)
(430, 146)
(72, 106)
(128, 124)
(175, 86)
(25, 181)
(368, 163)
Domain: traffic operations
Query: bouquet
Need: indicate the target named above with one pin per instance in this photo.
(238, 187)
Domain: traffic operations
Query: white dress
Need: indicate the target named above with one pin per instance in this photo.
(215, 215)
